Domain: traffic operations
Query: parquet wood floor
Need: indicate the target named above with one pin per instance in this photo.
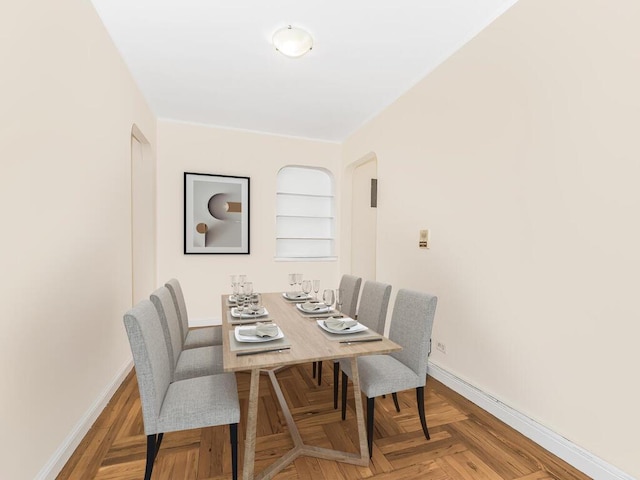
(466, 442)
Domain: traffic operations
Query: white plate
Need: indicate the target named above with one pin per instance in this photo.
(249, 314)
(232, 299)
(297, 296)
(356, 328)
(324, 309)
(254, 338)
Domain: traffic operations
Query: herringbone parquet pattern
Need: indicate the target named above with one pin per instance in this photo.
(466, 442)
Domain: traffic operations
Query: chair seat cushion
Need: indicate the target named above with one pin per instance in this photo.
(382, 374)
(200, 402)
(203, 337)
(198, 362)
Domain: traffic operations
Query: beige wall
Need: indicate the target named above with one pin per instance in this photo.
(68, 105)
(521, 154)
(193, 148)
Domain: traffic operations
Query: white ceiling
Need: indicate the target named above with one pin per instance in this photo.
(212, 62)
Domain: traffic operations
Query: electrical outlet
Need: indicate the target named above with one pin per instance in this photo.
(441, 346)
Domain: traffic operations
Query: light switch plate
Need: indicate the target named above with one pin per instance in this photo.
(424, 239)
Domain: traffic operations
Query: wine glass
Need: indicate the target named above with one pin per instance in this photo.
(306, 287)
(240, 300)
(234, 279)
(247, 289)
(292, 280)
(256, 302)
(242, 279)
(339, 299)
(316, 288)
(328, 297)
(299, 279)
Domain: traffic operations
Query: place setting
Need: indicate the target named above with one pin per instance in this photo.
(347, 330)
(322, 309)
(259, 338)
(304, 293)
(248, 309)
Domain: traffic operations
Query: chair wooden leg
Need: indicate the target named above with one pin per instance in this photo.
(395, 401)
(344, 395)
(313, 370)
(370, 405)
(153, 445)
(233, 430)
(319, 372)
(423, 420)
(336, 373)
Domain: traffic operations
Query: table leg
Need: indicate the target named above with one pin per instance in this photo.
(362, 429)
(252, 421)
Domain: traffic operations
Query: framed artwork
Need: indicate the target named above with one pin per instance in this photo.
(216, 214)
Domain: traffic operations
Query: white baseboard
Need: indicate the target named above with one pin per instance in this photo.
(571, 453)
(61, 456)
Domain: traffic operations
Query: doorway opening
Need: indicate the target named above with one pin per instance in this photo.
(364, 218)
(143, 217)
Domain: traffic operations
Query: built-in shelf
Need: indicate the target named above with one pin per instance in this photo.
(293, 194)
(304, 238)
(319, 217)
(306, 258)
(305, 214)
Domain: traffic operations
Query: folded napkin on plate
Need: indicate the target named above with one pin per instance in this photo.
(296, 295)
(340, 323)
(311, 306)
(260, 330)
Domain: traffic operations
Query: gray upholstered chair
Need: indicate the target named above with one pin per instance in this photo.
(411, 325)
(372, 313)
(182, 405)
(350, 286)
(194, 337)
(194, 362)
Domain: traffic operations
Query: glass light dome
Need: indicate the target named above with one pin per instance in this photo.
(292, 41)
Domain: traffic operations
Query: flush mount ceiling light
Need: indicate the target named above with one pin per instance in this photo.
(292, 41)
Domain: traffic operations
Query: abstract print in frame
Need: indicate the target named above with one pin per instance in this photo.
(216, 214)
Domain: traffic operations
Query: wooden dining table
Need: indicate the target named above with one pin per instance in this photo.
(304, 341)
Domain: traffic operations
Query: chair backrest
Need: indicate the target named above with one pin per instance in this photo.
(151, 360)
(373, 305)
(181, 307)
(161, 299)
(350, 286)
(411, 325)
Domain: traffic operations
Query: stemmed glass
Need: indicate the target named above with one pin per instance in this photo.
(299, 279)
(306, 287)
(234, 279)
(328, 297)
(247, 289)
(339, 299)
(240, 301)
(316, 288)
(256, 302)
(242, 279)
(292, 280)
